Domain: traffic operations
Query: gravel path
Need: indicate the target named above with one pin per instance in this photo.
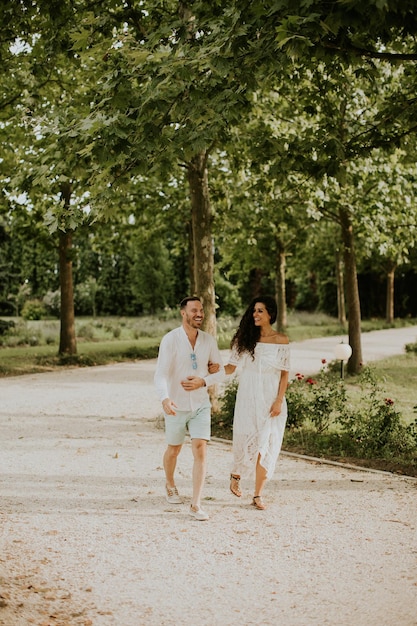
(87, 537)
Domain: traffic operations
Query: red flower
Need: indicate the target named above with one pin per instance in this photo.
(299, 376)
(311, 381)
(324, 361)
(388, 401)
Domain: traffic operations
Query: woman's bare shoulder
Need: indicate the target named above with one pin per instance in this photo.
(280, 338)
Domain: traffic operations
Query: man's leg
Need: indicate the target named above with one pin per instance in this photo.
(199, 449)
(170, 463)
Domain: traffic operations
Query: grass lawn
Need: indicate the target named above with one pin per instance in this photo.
(397, 375)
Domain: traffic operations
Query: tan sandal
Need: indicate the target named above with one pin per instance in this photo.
(258, 504)
(234, 485)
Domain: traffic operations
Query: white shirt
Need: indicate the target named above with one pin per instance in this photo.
(175, 363)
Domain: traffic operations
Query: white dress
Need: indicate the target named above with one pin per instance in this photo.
(254, 431)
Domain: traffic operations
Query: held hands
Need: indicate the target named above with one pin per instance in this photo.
(193, 382)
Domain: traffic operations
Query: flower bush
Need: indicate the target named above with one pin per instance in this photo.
(374, 424)
(316, 400)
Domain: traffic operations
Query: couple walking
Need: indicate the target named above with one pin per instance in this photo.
(189, 362)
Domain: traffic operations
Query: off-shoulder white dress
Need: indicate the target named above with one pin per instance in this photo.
(254, 431)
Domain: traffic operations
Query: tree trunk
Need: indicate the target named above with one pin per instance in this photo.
(193, 286)
(390, 294)
(280, 288)
(67, 342)
(203, 275)
(255, 282)
(341, 309)
(352, 292)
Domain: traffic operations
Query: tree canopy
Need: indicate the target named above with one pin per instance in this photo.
(187, 144)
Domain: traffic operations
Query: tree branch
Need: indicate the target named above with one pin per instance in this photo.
(371, 54)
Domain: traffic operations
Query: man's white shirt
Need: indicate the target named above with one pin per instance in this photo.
(175, 363)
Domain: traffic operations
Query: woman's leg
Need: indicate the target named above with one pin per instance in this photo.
(260, 480)
(260, 477)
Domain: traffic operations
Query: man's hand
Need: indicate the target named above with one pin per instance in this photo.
(213, 368)
(169, 407)
(192, 382)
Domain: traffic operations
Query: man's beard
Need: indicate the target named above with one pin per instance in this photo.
(191, 322)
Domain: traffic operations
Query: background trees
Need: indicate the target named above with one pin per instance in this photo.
(195, 147)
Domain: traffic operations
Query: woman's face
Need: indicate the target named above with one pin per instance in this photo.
(261, 316)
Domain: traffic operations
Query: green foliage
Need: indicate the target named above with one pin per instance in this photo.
(85, 296)
(411, 347)
(86, 331)
(374, 424)
(33, 310)
(224, 415)
(138, 352)
(412, 429)
(152, 277)
(6, 326)
(80, 360)
(19, 334)
(227, 297)
(316, 399)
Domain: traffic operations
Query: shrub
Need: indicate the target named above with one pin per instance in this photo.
(22, 335)
(224, 416)
(86, 331)
(82, 360)
(374, 425)
(412, 429)
(6, 326)
(135, 352)
(316, 399)
(33, 310)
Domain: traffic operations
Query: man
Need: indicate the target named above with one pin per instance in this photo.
(181, 381)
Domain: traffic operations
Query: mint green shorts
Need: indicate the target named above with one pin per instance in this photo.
(197, 423)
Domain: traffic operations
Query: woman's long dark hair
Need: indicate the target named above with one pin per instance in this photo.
(247, 335)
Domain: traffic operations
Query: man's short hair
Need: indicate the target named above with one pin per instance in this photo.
(184, 302)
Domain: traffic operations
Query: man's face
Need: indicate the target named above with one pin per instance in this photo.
(193, 314)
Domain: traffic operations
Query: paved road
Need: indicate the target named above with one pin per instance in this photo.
(306, 355)
(87, 538)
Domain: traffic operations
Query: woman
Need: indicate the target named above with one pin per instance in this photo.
(261, 409)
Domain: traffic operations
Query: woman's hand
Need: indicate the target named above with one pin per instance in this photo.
(275, 408)
(213, 368)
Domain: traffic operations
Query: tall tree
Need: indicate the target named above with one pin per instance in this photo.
(175, 94)
(47, 92)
